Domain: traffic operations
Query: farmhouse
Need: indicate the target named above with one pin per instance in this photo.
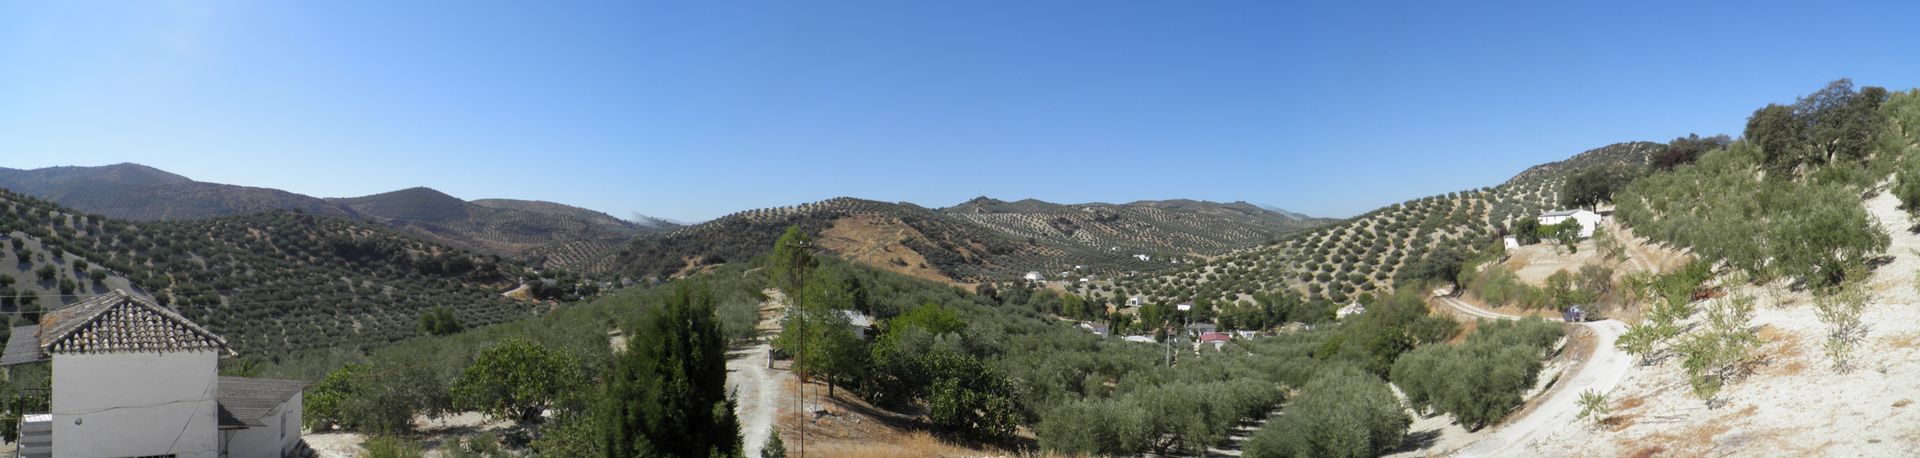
(1218, 339)
(1034, 276)
(1350, 310)
(1587, 219)
(134, 378)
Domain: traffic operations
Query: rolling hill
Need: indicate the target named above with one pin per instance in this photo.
(544, 233)
(979, 240)
(1336, 262)
(141, 193)
(273, 283)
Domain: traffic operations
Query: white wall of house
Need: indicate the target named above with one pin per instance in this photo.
(281, 434)
(1588, 220)
(135, 404)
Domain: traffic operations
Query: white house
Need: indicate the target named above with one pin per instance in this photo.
(1143, 257)
(133, 378)
(1350, 310)
(1034, 276)
(1588, 220)
(1510, 242)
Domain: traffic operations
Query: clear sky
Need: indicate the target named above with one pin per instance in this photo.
(691, 110)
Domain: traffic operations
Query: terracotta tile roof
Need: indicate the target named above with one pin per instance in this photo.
(119, 322)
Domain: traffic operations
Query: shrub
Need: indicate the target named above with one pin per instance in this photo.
(516, 379)
(1343, 413)
(1504, 356)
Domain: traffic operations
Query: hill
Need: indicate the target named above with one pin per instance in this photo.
(273, 283)
(1337, 262)
(142, 193)
(545, 233)
(979, 240)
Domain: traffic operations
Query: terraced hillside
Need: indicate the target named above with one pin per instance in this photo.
(1338, 262)
(1167, 228)
(980, 240)
(273, 283)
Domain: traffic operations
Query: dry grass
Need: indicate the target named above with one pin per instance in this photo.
(876, 241)
(1906, 340)
(1629, 403)
(1902, 403)
(915, 443)
(1648, 452)
(1781, 346)
(1616, 423)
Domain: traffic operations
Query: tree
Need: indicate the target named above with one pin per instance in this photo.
(1590, 187)
(1906, 187)
(667, 392)
(819, 335)
(1527, 230)
(1686, 150)
(971, 397)
(774, 447)
(1781, 139)
(1840, 309)
(516, 379)
(791, 263)
(1343, 413)
(45, 272)
(1714, 355)
(439, 321)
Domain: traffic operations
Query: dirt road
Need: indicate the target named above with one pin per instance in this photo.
(749, 378)
(1559, 406)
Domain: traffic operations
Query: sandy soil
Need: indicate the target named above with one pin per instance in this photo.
(1793, 403)
(436, 432)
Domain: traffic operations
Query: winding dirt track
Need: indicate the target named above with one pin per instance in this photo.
(1559, 406)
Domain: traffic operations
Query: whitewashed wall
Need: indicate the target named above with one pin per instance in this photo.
(135, 404)
(280, 435)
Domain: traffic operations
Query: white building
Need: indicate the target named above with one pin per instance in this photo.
(1350, 310)
(1143, 257)
(1034, 276)
(1588, 220)
(133, 378)
(1510, 242)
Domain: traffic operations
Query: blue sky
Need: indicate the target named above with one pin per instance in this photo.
(691, 110)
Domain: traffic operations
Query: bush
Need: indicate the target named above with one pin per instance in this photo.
(1504, 356)
(516, 379)
(1343, 413)
(392, 447)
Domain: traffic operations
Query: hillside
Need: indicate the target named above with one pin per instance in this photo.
(141, 193)
(979, 240)
(273, 283)
(545, 233)
(1337, 262)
